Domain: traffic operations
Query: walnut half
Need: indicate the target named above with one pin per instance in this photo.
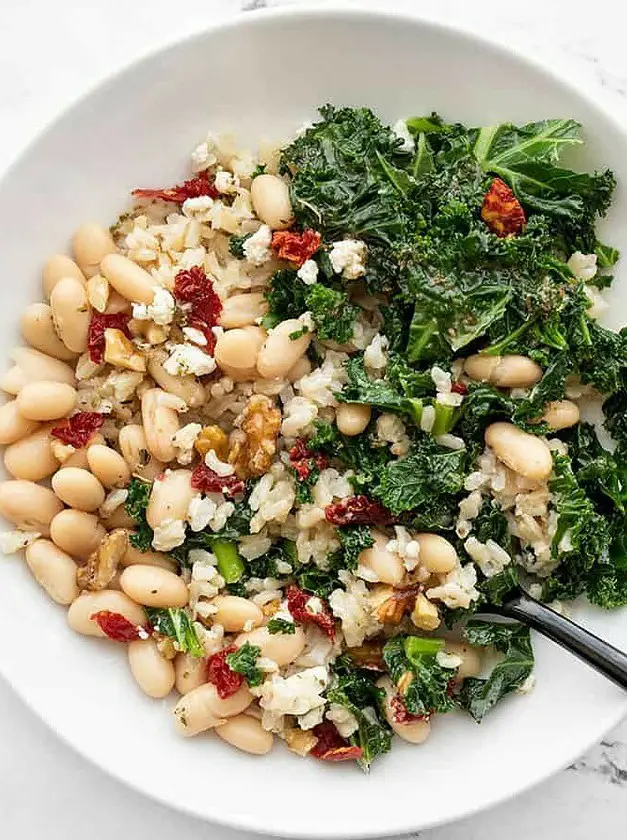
(253, 447)
(103, 563)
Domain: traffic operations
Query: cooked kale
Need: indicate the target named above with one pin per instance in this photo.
(280, 625)
(244, 661)
(426, 690)
(135, 507)
(176, 623)
(354, 539)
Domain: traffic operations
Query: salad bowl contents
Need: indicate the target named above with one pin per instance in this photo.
(287, 425)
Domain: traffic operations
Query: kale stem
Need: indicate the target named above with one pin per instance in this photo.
(496, 349)
(230, 564)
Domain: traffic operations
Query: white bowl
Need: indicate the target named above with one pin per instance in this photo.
(263, 75)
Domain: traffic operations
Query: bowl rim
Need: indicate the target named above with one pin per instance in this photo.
(598, 98)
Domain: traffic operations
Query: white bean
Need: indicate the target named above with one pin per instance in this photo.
(33, 366)
(234, 612)
(153, 673)
(512, 371)
(119, 519)
(129, 279)
(161, 423)
(352, 418)
(31, 457)
(108, 466)
(561, 414)
(154, 587)
(91, 243)
(29, 506)
(237, 351)
(188, 388)
(471, 658)
(191, 671)
(201, 708)
(280, 352)
(133, 556)
(523, 453)
(71, 313)
(54, 570)
(56, 268)
(385, 566)
(77, 532)
(78, 459)
(14, 426)
(247, 734)
(415, 732)
(79, 615)
(283, 648)
(46, 400)
(37, 327)
(78, 488)
(170, 497)
(270, 196)
(437, 555)
(243, 310)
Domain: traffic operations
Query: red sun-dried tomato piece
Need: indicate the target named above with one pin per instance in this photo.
(79, 429)
(401, 714)
(294, 247)
(501, 210)
(226, 681)
(206, 480)
(303, 460)
(96, 335)
(330, 745)
(194, 188)
(459, 388)
(358, 510)
(194, 287)
(117, 627)
(301, 607)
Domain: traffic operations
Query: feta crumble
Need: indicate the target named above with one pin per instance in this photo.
(161, 310)
(226, 182)
(186, 359)
(219, 467)
(184, 441)
(195, 336)
(298, 695)
(308, 272)
(257, 247)
(348, 258)
(402, 132)
(168, 535)
(200, 512)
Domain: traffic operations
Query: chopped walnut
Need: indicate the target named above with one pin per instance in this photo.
(253, 449)
(299, 741)
(405, 681)
(165, 646)
(392, 604)
(98, 292)
(212, 438)
(425, 613)
(102, 564)
(368, 655)
(271, 607)
(121, 352)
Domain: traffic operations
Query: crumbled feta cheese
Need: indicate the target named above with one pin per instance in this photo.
(257, 247)
(200, 512)
(114, 499)
(13, 541)
(195, 336)
(348, 258)
(186, 359)
(308, 272)
(343, 719)
(161, 310)
(375, 356)
(221, 515)
(402, 132)
(204, 155)
(598, 304)
(407, 548)
(583, 266)
(169, 535)
(201, 208)
(184, 441)
(219, 467)
(226, 182)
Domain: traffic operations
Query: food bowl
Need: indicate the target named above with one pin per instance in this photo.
(263, 75)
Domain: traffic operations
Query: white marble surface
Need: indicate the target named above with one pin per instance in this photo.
(49, 54)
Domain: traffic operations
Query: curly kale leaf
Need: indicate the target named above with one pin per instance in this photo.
(412, 663)
(380, 393)
(478, 696)
(135, 507)
(281, 625)
(286, 298)
(429, 472)
(355, 690)
(244, 660)
(354, 539)
(356, 453)
(482, 405)
(332, 313)
(176, 623)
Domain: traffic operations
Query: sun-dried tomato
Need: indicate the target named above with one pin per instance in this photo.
(501, 210)
(294, 247)
(194, 287)
(226, 681)
(358, 510)
(304, 461)
(194, 188)
(206, 480)
(330, 745)
(117, 627)
(96, 334)
(400, 712)
(300, 607)
(79, 429)
(459, 388)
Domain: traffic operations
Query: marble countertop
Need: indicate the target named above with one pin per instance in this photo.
(49, 54)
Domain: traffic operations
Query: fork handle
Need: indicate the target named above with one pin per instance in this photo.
(602, 656)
